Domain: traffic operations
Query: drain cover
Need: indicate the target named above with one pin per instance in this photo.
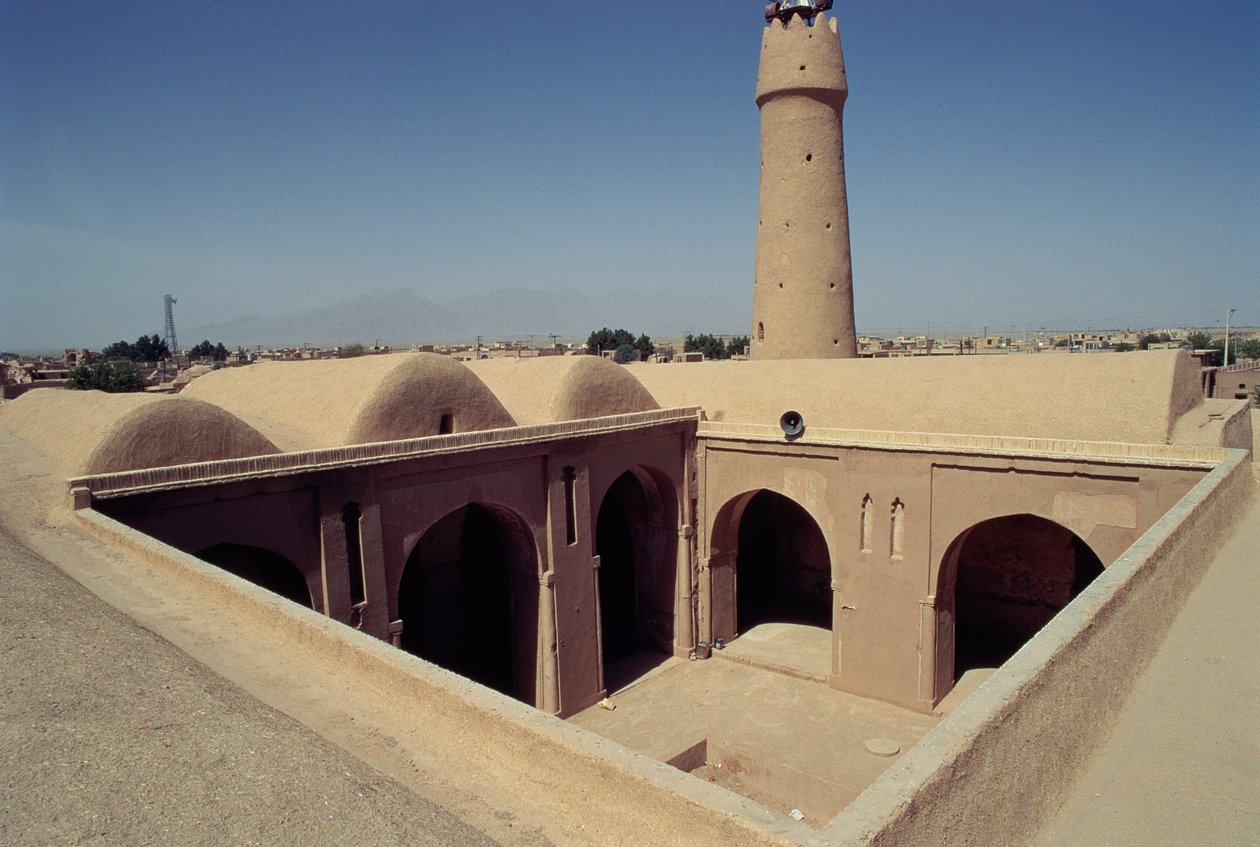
(883, 747)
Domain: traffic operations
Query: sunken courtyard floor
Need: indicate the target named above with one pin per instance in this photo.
(758, 719)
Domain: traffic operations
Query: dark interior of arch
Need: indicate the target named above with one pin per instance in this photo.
(1014, 575)
(464, 600)
(620, 517)
(783, 569)
(262, 567)
(635, 580)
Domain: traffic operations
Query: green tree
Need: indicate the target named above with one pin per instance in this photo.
(1123, 347)
(351, 351)
(119, 350)
(736, 346)
(1239, 348)
(151, 348)
(607, 339)
(624, 354)
(1247, 348)
(1197, 341)
(147, 348)
(206, 350)
(111, 376)
(644, 345)
(1147, 339)
(710, 345)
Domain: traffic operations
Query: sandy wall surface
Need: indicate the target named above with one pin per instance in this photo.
(85, 432)
(999, 765)
(497, 758)
(331, 403)
(1117, 397)
(549, 389)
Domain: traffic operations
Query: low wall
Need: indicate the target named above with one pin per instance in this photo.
(573, 773)
(1003, 762)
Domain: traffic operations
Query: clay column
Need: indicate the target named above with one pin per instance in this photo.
(549, 697)
(803, 289)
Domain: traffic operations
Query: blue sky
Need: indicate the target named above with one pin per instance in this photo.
(1009, 164)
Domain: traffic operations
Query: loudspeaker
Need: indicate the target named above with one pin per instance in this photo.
(792, 424)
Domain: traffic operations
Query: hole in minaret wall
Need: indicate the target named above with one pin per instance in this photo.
(809, 157)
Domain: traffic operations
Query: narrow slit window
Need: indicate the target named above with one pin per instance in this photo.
(868, 519)
(351, 518)
(896, 533)
(446, 425)
(570, 506)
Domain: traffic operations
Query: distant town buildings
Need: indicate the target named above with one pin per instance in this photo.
(22, 373)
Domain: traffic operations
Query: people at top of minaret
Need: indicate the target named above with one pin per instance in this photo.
(806, 9)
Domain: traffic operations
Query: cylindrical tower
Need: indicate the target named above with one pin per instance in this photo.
(803, 290)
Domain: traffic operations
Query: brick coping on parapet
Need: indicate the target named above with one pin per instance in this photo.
(1160, 455)
(121, 483)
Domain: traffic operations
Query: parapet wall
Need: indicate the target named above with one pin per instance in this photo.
(585, 783)
(1002, 763)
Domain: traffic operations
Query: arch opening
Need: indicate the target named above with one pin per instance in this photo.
(263, 568)
(469, 599)
(782, 565)
(636, 574)
(1006, 578)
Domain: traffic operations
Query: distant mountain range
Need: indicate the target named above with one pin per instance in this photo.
(401, 317)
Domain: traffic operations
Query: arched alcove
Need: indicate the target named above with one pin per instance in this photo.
(783, 567)
(633, 532)
(469, 599)
(262, 567)
(1004, 579)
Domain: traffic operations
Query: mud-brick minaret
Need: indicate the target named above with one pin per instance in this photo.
(803, 291)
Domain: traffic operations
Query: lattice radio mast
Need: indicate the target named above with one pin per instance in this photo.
(172, 343)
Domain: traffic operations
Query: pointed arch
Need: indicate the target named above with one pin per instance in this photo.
(1000, 582)
(469, 599)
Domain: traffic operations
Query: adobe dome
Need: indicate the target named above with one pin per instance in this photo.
(336, 402)
(90, 432)
(547, 389)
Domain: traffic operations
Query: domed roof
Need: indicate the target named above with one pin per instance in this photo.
(331, 403)
(546, 389)
(90, 432)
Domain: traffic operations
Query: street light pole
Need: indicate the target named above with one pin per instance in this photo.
(1228, 315)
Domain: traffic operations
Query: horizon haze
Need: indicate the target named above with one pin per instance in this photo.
(1008, 166)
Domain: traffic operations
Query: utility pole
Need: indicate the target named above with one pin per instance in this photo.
(1228, 315)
